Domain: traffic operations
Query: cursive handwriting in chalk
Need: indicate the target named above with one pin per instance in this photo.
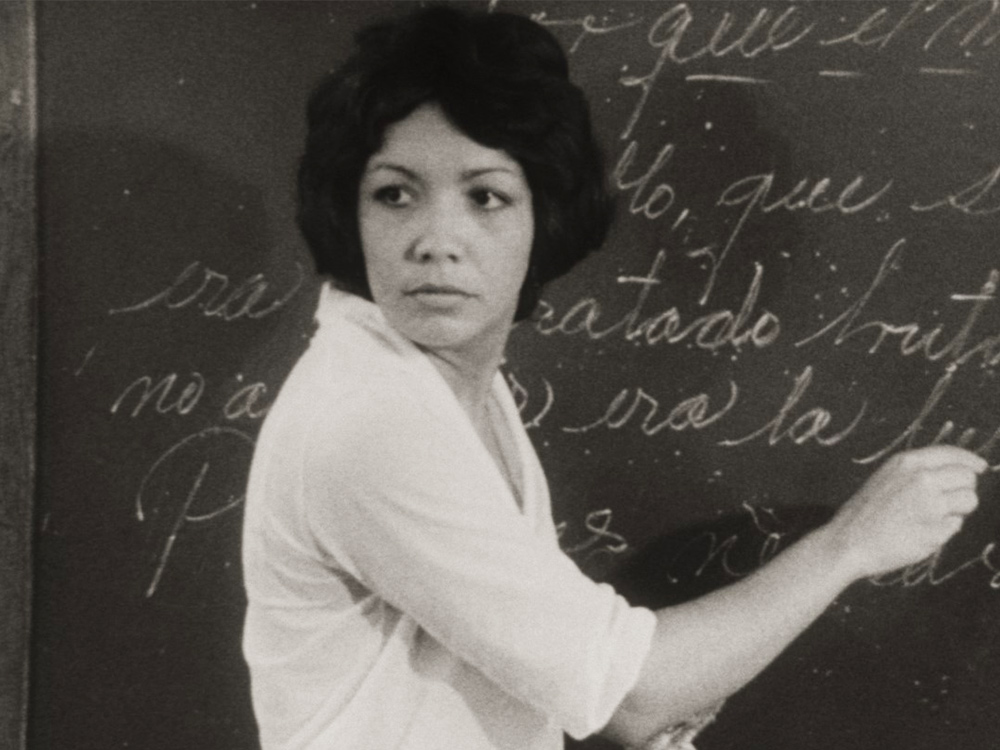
(216, 296)
(810, 426)
(972, 22)
(601, 540)
(181, 396)
(981, 198)
(756, 193)
(710, 547)
(914, 433)
(245, 403)
(958, 350)
(695, 557)
(680, 37)
(86, 359)
(659, 200)
(685, 34)
(932, 572)
(879, 28)
(732, 34)
(587, 25)
(979, 28)
(753, 193)
(711, 331)
(169, 472)
(522, 398)
(167, 399)
(694, 412)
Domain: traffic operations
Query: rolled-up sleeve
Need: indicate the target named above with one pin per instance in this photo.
(403, 503)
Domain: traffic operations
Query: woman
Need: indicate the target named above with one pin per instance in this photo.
(405, 585)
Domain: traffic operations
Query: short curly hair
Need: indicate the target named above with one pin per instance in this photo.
(501, 79)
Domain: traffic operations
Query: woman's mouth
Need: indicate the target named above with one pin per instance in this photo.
(442, 291)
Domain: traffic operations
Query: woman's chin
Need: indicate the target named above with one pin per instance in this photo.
(446, 333)
(438, 332)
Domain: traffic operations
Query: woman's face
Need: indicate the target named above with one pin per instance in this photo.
(446, 230)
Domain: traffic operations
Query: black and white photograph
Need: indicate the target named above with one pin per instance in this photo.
(499, 375)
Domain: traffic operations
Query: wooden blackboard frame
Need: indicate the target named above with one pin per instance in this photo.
(18, 358)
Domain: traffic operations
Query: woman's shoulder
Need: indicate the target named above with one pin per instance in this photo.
(325, 389)
(356, 343)
(359, 381)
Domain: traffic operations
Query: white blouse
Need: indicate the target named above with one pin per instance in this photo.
(400, 595)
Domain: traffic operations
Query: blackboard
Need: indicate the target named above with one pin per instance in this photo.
(801, 281)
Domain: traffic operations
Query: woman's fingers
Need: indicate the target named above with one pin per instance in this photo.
(962, 501)
(911, 506)
(935, 456)
(950, 489)
(947, 527)
(952, 477)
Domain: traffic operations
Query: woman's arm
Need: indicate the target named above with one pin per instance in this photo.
(706, 649)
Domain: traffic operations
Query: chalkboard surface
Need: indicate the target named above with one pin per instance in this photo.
(801, 282)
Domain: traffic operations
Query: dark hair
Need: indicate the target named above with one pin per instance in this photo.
(501, 79)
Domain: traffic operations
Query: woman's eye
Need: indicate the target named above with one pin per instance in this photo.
(488, 199)
(392, 195)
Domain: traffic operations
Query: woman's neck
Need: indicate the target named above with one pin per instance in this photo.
(470, 377)
(471, 380)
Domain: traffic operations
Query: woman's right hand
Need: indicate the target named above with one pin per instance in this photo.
(914, 503)
(706, 649)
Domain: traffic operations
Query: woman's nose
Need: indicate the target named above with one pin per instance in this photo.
(443, 234)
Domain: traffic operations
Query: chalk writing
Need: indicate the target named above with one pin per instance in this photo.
(521, 399)
(244, 403)
(764, 31)
(808, 426)
(683, 44)
(588, 26)
(946, 72)
(601, 540)
(213, 293)
(754, 192)
(179, 521)
(721, 78)
(661, 198)
(840, 74)
(978, 30)
(869, 32)
(912, 338)
(86, 359)
(711, 332)
(772, 538)
(696, 556)
(970, 200)
(166, 399)
(932, 572)
(693, 412)
(170, 470)
(684, 34)
(910, 436)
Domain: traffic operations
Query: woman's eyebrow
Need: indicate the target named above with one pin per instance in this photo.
(408, 173)
(466, 175)
(471, 174)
